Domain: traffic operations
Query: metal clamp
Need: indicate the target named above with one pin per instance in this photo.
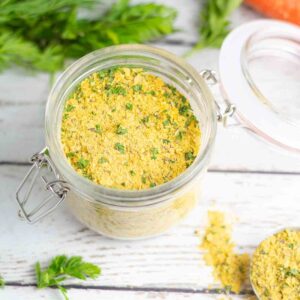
(210, 78)
(56, 188)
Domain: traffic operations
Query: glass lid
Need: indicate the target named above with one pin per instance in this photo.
(260, 73)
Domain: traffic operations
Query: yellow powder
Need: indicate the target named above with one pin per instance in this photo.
(230, 269)
(127, 129)
(275, 269)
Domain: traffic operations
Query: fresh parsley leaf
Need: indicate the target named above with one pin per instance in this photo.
(62, 268)
(152, 184)
(29, 35)
(120, 148)
(214, 22)
(2, 282)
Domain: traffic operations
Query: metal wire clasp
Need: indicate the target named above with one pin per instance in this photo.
(210, 77)
(51, 183)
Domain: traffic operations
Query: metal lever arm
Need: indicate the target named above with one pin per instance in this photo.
(56, 189)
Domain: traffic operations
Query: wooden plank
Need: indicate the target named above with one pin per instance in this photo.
(262, 203)
(29, 293)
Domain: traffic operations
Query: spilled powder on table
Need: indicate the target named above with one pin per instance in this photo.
(229, 268)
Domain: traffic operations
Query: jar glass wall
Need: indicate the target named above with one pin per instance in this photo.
(143, 213)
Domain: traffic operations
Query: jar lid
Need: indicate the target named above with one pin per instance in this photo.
(260, 73)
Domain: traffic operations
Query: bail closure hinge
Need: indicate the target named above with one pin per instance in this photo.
(223, 114)
(55, 188)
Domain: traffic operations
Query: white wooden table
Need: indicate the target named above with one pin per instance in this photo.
(248, 180)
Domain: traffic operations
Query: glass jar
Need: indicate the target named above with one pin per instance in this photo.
(121, 213)
(144, 213)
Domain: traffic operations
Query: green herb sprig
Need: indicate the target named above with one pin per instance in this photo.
(2, 282)
(62, 268)
(214, 23)
(42, 35)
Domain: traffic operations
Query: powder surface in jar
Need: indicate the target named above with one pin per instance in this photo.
(125, 128)
(275, 270)
(228, 267)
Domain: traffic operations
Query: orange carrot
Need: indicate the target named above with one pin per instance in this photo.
(288, 10)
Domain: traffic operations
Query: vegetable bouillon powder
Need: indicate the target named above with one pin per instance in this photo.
(275, 270)
(229, 268)
(125, 128)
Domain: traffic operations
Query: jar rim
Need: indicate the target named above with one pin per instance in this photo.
(263, 43)
(95, 191)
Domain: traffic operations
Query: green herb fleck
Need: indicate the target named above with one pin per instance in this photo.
(120, 148)
(65, 117)
(189, 155)
(46, 152)
(2, 282)
(172, 88)
(121, 130)
(144, 180)
(123, 184)
(165, 141)
(152, 93)
(166, 122)
(98, 128)
(189, 120)
(166, 95)
(145, 120)
(82, 163)
(154, 152)
(70, 108)
(137, 87)
(183, 110)
(179, 135)
(291, 245)
(292, 272)
(70, 154)
(102, 160)
(88, 176)
(152, 184)
(129, 106)
(132, 173)
(117, 90)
